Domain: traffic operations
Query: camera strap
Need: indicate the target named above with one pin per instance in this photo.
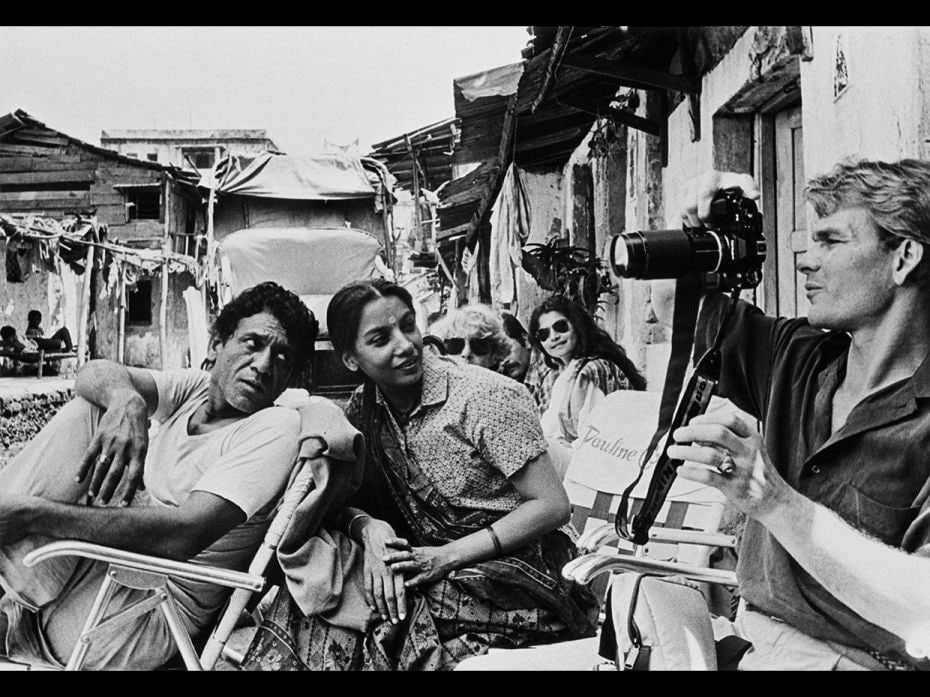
(688, 292)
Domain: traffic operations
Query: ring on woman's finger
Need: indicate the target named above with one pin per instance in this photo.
(103, 459)
(727, 466)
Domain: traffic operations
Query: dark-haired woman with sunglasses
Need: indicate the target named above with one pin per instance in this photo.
(587, 364)
(475, 334)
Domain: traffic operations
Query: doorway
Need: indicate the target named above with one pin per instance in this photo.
(782, 180)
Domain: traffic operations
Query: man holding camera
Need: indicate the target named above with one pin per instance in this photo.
(843, 469)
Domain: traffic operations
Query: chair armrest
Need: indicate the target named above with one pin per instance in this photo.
(143, 562)
(585, 568)
(606, 534)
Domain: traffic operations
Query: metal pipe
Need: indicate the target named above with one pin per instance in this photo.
(142, 562)
(585, 568)
(100, 604)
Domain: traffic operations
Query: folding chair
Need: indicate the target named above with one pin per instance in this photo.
(151, 574)
(604, 462)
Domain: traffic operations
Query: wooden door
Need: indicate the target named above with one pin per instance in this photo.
(791, 234)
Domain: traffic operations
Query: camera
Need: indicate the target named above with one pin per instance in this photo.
(734, 250)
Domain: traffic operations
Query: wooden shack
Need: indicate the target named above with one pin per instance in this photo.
(137, 314)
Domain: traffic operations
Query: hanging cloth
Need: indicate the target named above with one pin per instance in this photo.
(510, 228)
(18, 267)
(470, 267)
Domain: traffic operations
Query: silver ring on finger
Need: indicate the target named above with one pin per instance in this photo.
(103, 459)
(727, 466)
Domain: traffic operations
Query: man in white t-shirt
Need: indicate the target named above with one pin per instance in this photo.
(200, 489)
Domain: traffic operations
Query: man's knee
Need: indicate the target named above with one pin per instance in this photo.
(77, 413)
(49, 462)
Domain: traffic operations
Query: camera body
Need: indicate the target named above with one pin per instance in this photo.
(734, 250)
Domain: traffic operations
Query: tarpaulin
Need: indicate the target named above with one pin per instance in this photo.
(312, 262)
(496, 82)
(312, 177)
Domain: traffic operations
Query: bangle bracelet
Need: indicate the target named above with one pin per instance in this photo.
(351, 522)
(499, 550)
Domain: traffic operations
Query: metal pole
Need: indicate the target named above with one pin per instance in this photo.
(83, 330)
(121, 326)
(163, 310)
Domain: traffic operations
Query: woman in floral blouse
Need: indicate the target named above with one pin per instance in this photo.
(460, 522)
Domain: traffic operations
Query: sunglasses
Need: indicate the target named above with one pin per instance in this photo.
(479, 347)
(560, 326)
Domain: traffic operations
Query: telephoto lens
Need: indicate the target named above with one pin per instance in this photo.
(665, 253)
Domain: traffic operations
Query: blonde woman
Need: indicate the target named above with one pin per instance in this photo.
(475, 334)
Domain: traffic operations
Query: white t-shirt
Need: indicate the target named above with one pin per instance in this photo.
(248, 463)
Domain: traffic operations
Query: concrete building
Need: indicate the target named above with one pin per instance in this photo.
(197, 148)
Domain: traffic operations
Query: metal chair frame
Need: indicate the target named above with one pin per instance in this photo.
(151, 574)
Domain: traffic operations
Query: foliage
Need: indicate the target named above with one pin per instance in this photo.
(573, 272)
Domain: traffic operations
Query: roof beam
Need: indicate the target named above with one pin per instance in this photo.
(632, 75)
(649, 126)
(555, 58)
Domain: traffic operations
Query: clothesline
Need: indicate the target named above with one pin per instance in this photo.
(158, 255)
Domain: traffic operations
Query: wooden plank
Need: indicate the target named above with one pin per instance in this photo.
(627, 118)
(42, 195)
(44, 205)
(111, 199)
(127, 176)
(16, 163)
(46, 176)
(632, 75)
(111, 215)
(46, 141)
(37, 131)
(17, 149)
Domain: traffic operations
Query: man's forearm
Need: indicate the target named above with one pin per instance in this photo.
(883, 584)
(105, 383)
(156, 531)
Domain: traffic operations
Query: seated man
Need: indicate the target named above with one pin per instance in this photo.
(211, 473)
(59, 341)
(517, 362)
(34, 321)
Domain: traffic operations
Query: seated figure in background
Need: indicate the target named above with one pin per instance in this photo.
(34, 320)
(474, 333)
(587, 364)
(59, 341)
(516, 364)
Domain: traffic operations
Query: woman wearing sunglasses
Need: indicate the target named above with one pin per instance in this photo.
(474, 334)
(456, 538)
(588, 365)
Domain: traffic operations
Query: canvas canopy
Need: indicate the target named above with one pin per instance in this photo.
(312, 262)
(313, 177)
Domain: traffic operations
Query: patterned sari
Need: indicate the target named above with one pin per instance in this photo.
(511, 601)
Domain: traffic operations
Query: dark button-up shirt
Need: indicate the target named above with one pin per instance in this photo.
(874, 471)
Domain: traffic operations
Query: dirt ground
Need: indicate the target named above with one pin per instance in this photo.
(7, 454)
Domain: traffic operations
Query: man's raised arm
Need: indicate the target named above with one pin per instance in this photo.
(120, 442)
